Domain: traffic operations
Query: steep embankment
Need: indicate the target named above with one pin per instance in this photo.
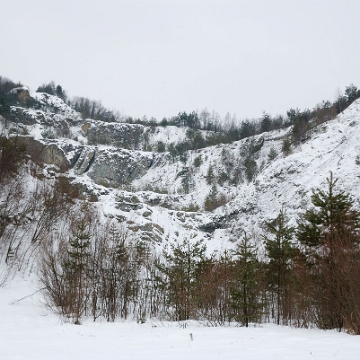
(215, 192)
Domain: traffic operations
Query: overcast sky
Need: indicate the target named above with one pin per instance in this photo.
(157, 58)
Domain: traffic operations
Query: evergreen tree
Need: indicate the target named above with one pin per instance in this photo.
(212, 200)
(117, 275)
(244, 290)
(330, 233)
(77, 269)
(265, 123)
(4, 104)
(351, 93)
(280, 254)
(341, 103)
(250, 167)
(181, 270)
(272, 154)
(332, 216)
(60, 92)
(198, 161)
(173, 151)
(286, 146)
(210, 175)
(300, 122)
(247, 129)
(161, 146)
(49, 88)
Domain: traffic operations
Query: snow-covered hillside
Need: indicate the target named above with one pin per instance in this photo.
(287, 182)
(166, 194)
(284, 183)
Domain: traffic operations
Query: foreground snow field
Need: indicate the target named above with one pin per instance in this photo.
(29, 331)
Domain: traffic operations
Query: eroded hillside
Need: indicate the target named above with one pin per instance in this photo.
(214, 192)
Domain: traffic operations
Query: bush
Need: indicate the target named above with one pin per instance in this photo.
(250, 167)
(214, 199)
(191, 208)
(357, 160)
(272, 154)
(160, 147)
(198, 161)
(286, 146)
(223, 177)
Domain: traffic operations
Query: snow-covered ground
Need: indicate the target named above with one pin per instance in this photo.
(29, 331)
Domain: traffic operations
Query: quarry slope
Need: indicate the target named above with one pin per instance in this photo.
(162, 198)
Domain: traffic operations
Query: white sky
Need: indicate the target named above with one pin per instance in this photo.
(157, 58)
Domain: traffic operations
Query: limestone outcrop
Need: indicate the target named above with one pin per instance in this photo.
(47, 152)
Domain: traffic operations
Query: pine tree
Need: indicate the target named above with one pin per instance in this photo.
(250, 167)
(330, 233)
(211, 201)
(280, 254)
(286, 146)
(210, 175)
(77, 269)
(272, 154)
(243, 292)
(60, 92)
(265, 123)
(331, 217)
(351, 93)
(181, 270)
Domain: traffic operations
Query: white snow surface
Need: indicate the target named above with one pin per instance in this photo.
(29, 331)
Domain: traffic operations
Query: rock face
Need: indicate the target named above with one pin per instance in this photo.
(53, 155)
(110, 167)
(22, 93)
(119, 167)
(45, 152)
(84, 159)
(128, 136)
(24, 116)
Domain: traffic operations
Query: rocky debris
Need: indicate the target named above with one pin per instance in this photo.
(164, 200)
(146, 213)
(26, 117)
(127, 207)
(89, 192)
(218, 222)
